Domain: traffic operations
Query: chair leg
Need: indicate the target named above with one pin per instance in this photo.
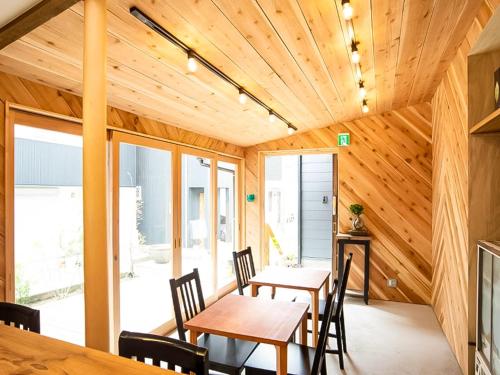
(339, 345)
(342, 324)
(323, 367)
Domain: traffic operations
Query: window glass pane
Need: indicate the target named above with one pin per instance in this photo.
(48, 229)
(145, 237)
(495, 347)
(485, 318)
(196, 219)
(226, 222)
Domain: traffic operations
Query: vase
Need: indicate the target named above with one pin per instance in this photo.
(357, 223)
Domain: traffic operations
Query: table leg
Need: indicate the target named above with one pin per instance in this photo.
(303, 331)
(367, 272)
(193, 337)
(315, 316)
(281, 360)
(341, 262)
(255, 289)
(273, 292)
(326, 288)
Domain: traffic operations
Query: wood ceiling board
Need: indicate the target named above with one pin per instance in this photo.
(291, 53)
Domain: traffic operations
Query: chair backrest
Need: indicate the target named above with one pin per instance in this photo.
(244, 267)
(21, 316)
(191, 297)
(175, 353)
(319, 354)
(343, 286)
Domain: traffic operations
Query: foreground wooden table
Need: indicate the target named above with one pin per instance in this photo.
(308, 279)
(253, 319)
(24, 352)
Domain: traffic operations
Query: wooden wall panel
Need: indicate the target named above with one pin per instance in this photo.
(387, 168)
(450, 239)
(27, 93)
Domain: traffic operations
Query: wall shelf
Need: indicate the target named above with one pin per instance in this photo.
(489, 124)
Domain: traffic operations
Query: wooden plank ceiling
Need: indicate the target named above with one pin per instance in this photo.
(292, 54)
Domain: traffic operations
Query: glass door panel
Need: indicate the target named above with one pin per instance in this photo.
(226, 221)
(48, 229)
(145, 237)
(196, 222)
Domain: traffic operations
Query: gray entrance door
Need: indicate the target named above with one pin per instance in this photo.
(316, 182)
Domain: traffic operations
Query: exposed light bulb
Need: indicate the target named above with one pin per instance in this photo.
(347, 10)
(290, 130)
(362, 90)
(355, 57)
(191, 63)
(365, 108)
(272, 117)
(243, 97)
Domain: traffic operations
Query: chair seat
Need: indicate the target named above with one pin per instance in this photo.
(263, 360)
(225, 354)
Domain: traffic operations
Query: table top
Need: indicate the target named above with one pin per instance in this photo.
(347, 236)
(294, 278)
(253, 319)
(23, 352)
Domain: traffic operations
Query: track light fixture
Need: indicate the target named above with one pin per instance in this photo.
(242, 96)
(365, 108)
(272, 117)
(347, 10)
(362, 90)
(191, 62)
(194, 59)
(355, 53)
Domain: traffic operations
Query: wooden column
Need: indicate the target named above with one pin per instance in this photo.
(96, 262)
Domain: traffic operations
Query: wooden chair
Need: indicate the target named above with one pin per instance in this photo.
(225, 355)
(340, 330)
(301, 359)
(22, 317)
(245, 269)
(175, 353)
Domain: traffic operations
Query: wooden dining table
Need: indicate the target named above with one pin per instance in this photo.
(23, 352)
(253, 319)
(307, 279)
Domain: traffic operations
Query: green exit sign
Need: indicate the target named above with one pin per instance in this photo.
(343, 139)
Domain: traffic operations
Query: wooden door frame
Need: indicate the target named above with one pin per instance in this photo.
(264, 246)
(22, 116)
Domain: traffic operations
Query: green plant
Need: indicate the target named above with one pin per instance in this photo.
(356, 209)
(22, 287)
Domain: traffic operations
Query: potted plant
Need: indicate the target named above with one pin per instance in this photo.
(357, 223)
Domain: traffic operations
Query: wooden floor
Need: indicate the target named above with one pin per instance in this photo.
(393, 338)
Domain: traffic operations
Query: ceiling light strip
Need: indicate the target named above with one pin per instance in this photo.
(194, 57)
(347, 13)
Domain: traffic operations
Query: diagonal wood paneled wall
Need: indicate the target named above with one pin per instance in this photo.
(21, 91)
(450, 240)
(387, 168)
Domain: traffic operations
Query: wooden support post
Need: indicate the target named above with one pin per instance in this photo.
(95, 207)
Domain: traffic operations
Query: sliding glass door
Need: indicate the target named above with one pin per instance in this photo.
(47, 247)
(144, 234)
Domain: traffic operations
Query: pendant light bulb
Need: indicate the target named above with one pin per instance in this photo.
(362, 90)
(191, 63)
(272, 117)
(242, 97)
(365, 108)
(347, 10)
(355, 53)
(290, 130)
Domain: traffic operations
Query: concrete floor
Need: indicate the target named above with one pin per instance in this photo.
(393, 338)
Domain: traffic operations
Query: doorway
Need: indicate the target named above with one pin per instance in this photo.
(299, 204)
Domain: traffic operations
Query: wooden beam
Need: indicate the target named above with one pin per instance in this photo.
(95, 188)
(31, 19)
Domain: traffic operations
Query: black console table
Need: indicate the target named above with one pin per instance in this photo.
(347, 239)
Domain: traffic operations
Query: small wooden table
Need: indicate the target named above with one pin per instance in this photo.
(253, 319)
(307, 279)
(347, 239)
(25, 352)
